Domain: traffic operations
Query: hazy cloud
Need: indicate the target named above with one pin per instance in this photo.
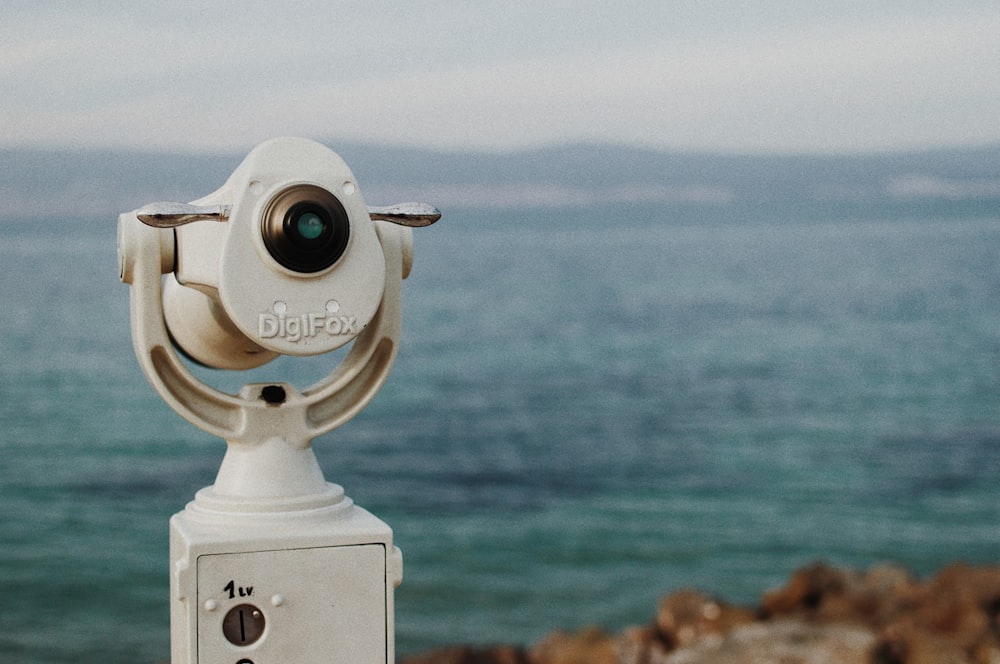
(706, 76)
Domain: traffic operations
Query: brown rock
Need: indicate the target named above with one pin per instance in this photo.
(805, 591)
(952, 617)
(825, 594)
(986, 653)
(639, 645)
(823, 614)
(780, 642)
(962, 603)
(904, 643)
(469, 655)
(687, 616)
(588, 646)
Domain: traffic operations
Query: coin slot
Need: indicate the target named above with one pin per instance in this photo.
(243, 625)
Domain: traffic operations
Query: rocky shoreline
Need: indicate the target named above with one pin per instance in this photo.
(883, 615)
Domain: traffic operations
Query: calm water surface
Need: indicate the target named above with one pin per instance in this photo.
(585, 414)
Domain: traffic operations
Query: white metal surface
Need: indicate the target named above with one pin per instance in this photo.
(271, 563)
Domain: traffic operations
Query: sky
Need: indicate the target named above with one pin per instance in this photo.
(806, 76)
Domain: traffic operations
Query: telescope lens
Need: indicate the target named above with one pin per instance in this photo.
(306, 228)
(310, 225)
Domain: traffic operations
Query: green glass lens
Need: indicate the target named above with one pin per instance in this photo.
(310, 226)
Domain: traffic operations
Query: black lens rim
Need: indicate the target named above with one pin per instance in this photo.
(288, 246)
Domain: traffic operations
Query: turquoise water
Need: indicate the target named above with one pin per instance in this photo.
(587, 412)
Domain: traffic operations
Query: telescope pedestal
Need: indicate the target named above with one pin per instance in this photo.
(305, 586)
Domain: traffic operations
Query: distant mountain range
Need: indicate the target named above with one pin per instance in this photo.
(38, 183)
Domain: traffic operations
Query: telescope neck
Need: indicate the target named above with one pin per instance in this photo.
(273, 475)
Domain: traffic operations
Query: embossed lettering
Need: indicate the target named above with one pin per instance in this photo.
(296, 328)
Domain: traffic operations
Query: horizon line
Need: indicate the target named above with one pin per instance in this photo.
(554, 146)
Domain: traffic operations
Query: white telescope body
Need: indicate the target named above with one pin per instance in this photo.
(272, 563)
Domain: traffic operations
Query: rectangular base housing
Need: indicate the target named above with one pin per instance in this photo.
(294, 589)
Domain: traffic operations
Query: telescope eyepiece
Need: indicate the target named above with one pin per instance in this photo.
(305, 228)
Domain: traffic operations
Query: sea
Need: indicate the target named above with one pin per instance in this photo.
(592, 406)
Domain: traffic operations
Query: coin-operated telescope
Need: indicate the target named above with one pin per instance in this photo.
(272, 563)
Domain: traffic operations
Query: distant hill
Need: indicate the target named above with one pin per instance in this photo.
(88, 183)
